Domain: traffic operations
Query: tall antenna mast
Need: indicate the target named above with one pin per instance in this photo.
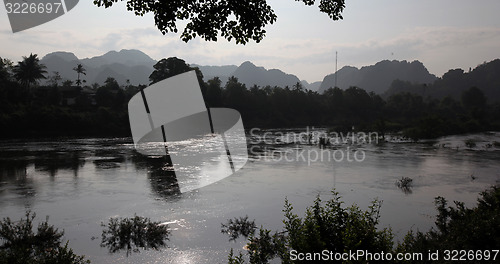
(336, 68)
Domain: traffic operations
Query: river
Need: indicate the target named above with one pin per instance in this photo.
(80, 183)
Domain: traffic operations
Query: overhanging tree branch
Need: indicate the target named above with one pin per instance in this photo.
(241, 20)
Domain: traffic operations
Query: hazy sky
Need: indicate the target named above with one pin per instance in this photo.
(441, 34)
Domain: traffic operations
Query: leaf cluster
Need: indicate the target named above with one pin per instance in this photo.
(241, 20)
(326, 226)
(238, 227)
(20, 244)
(29, 70)
(459, 227)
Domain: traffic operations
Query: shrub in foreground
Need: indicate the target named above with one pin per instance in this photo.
(330, 226)
(20, 244)
(325, 226)
(460, 228)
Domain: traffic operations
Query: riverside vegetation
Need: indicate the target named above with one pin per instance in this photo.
(326, 226)
(331, 226)
(30, 110)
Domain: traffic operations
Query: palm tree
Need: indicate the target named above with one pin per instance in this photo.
(28, 71)
(80, 70)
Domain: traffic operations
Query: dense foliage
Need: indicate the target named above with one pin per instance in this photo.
(326, 226)
(28, 71)
(241, 20)
(471, 229)
(331, 226)
(101, 110)
(19, 244)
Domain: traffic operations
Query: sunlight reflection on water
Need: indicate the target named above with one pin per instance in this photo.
(80, 183)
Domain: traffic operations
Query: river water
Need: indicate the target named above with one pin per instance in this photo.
(81, 183)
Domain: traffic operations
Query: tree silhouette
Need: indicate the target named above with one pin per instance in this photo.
(236, 95)
(111, 83)
(473, 98)
(241, 20)
(80, 70)
(5, 68)
(28, 71)
(166, 68)
(67, 83)
(474, 101)
(172, 66)
(55, 78)
(214, 92)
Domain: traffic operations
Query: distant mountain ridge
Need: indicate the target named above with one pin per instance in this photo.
(377, 78)
(135, 66)
(453, 83)
(385, 77)
(223, 72)
(250, 75)
(132, 65)
(127, 57)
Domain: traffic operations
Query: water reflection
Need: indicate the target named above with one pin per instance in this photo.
(108, 158)
(52, 162)
(405, 184)
(161, 176)
(82, 182)
(14, 179)
(24, 167)
(133, 234)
